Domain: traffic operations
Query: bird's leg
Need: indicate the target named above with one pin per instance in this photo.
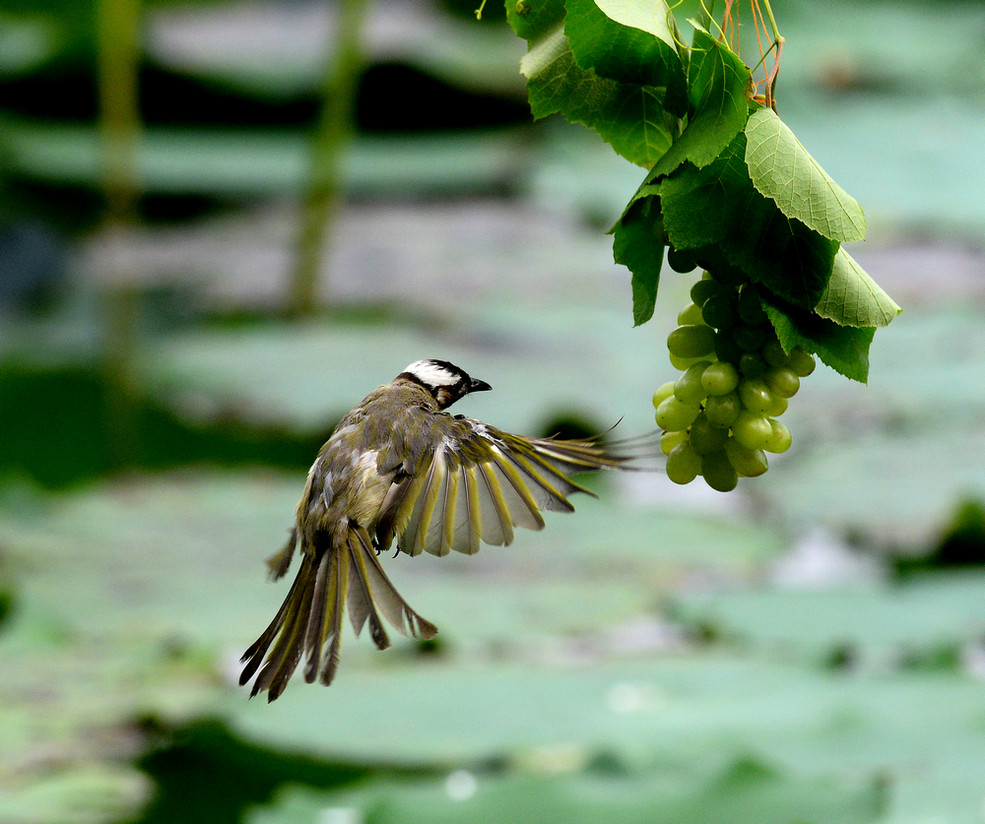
(376, 546)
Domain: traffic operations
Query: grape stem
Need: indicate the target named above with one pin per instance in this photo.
(778, 41)
(768, 98)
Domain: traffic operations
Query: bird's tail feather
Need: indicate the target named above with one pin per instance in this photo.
(380, 592)
(329, 581)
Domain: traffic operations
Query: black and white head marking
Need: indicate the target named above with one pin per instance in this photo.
(445, 381)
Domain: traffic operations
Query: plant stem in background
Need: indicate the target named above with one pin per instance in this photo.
(332, 134)
(118, 32)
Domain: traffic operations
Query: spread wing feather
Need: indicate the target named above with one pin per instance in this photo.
(424, 501)
(494, 514)
(480, 484)
(449, 508)
(468, 513)
(544, 485)
(520, 501)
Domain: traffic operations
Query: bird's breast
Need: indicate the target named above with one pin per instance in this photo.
(391, 432)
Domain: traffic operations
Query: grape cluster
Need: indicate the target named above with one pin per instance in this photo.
(719, 416)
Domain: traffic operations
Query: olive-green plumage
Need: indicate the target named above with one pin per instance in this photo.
(398, 467)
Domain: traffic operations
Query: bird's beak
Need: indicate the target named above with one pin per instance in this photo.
(478, 386)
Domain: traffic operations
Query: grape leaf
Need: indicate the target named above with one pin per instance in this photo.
(653, 16)
(783, 170)
(852, 298)
(720, 114)
(719, 86)
(636, 245)
(718, 206)
(844, 348)
(534, 19)
(782, 254)
(629, 41)
(700, 206)
(630, 118)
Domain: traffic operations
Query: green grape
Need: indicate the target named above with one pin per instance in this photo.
(688, 388)
(690, 315)
(671, 439)
(746, 462)
(751, 430)
(683, 363)
(725, 347)
(719, 416)
(683, 464)
(801, 362)
(752, 366)
(704, 289)
(749, 307)
(777, 407)
(750, 338)
(720, 378)
(665, 390)
(718, 473)
(755, 395)
(705, 436)
(773, 353)
(719, 310)
(722, 410)
(691, 341)
(779, 439)
(681, 260)
(722, 272)
(672, 415)
(782, 381)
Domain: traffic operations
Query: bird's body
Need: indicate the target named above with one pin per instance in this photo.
(397, 467)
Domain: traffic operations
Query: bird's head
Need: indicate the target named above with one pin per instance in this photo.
(445, 381)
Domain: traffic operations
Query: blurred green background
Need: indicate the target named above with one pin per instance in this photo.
(809, 648)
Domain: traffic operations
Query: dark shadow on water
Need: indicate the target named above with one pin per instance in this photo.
(205, 773)
(53, 431)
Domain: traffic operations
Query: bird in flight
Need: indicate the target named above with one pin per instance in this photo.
(400, 468)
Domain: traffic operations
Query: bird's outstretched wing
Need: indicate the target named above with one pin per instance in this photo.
(474, 486)
(482, 482)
